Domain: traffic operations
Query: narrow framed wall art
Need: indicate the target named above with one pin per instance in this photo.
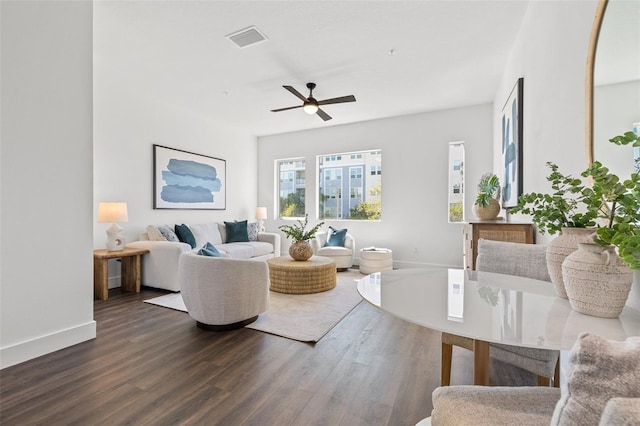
(185, 180)
(512, 146)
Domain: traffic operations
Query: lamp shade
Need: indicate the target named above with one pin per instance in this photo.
(261, 213)
(112, 212)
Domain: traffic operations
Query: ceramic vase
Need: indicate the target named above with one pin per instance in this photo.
(596, 280)
(489, 212)
(300, 250)
(561, 247)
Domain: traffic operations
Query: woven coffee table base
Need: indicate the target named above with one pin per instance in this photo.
(302, 277)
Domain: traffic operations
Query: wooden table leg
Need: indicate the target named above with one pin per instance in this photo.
(101, 278)
(130, 273)
(480, 362)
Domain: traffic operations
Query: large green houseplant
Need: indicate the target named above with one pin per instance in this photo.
(300, 249)
(610, 204)
(561, 211)
(561, 208)
(618, 203)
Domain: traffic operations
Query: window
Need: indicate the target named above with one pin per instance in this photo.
(291, 188)
(355, 172)
(456, 182)
(362, 191)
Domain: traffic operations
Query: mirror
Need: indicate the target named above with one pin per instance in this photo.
(613, 83)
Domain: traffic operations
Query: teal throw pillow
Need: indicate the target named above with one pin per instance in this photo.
(185, 235)
(336, 238)
(236, 232)
(209, 250)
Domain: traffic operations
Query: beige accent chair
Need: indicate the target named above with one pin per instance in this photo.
(343, 256)
(524, 260)
(602, 387)
(223, 293)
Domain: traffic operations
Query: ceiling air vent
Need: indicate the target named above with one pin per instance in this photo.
(246, 37)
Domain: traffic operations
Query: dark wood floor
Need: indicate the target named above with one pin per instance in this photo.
(152, 366)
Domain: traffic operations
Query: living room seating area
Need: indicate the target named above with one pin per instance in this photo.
(160, 265)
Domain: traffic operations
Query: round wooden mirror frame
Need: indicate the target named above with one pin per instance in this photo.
(591, 61)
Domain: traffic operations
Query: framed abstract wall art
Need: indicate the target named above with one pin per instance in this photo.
(184, 180)
(512, 147)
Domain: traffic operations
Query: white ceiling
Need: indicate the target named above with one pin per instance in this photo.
(395, 57)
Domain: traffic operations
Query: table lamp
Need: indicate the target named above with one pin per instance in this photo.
(112, 213)
(261, 215)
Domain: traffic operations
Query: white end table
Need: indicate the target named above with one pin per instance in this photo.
(375, 260)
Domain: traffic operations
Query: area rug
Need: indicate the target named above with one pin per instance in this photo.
(303, 317)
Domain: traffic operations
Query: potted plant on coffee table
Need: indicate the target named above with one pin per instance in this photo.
(300, 249)
(487, 205)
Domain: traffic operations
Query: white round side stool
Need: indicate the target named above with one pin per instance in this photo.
(375, 260)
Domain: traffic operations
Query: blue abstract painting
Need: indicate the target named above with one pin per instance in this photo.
(512, 147)
(184, 180)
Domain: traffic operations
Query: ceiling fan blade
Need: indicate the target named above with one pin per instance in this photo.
(295, 93)
(323, 115)
(285, 109)
(339, 100)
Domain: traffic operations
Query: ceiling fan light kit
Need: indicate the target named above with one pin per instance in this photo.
(312, 106)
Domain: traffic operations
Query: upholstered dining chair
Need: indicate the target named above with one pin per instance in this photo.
(524, 260)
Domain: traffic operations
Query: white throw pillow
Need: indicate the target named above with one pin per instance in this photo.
(252, 231)
(206, 233)
(153, 234)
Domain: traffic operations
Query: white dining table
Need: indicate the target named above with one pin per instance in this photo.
(489, 307)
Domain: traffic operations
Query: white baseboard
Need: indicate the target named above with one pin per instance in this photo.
(24, 351)
(399, 264)
(114, 282)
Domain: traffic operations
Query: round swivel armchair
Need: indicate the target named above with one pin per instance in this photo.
(222, 293)
(342, 255)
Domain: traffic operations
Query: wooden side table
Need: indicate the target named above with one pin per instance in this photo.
(130, 275)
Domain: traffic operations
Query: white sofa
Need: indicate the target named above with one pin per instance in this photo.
(160, 265)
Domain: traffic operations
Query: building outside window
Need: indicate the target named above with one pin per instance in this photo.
(456, 182)
(357, 174)
(291, 188)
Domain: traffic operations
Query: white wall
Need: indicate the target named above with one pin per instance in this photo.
(128, 121)
(414, 178)
(550, 53)
(46, 279)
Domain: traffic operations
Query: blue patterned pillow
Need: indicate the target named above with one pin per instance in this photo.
(209, 250)
(336, 237)
(252, 231)
(168, 233)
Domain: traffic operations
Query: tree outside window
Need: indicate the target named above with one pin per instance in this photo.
(291, 188)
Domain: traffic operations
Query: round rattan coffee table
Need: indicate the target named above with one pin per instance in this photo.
(302, 277)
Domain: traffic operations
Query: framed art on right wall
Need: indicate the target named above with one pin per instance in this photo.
(512, 146)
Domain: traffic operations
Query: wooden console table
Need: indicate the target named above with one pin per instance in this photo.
(130, 275)
(493, 230)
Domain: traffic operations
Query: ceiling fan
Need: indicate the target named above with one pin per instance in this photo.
(312, 106)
